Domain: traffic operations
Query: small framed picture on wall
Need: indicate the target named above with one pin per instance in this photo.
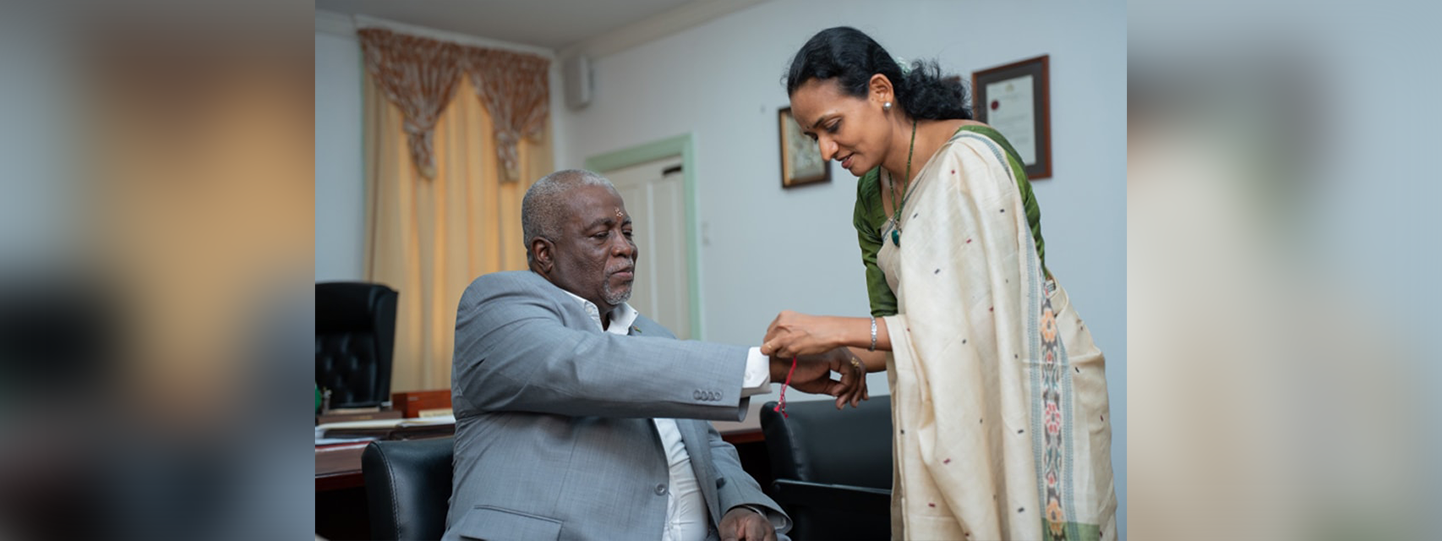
(801, 161)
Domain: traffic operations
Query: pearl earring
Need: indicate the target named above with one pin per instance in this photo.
(886, 106)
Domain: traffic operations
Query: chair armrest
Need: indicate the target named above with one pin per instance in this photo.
(845, 498)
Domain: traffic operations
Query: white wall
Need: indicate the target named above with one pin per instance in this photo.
(771, 249)
(339, 166)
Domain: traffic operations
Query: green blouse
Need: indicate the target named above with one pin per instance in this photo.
(870, 218)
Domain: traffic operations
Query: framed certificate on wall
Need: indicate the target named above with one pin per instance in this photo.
(1016, 100)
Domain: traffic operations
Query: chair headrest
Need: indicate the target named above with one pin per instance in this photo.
(345, 306)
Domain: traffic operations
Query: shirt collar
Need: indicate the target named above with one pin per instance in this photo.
(622, 316)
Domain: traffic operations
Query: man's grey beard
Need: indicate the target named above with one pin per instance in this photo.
(616, 298)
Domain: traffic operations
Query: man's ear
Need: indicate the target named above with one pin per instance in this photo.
(543, 253)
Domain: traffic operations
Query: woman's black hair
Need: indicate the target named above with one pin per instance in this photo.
(852, 57)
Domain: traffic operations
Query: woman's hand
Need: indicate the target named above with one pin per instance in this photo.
(792, 334)
(813, 375)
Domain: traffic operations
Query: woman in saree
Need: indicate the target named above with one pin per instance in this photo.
(999, 399)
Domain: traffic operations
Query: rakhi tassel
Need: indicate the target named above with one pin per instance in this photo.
(781, 404)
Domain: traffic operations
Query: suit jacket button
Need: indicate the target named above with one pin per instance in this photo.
(696, 395)
(661, 490)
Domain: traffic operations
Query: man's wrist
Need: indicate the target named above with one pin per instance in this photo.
(753, 508)
(779, 368)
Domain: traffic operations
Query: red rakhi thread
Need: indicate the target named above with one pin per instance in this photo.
(781, 404)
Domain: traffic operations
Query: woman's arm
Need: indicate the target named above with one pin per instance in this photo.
(794, 333)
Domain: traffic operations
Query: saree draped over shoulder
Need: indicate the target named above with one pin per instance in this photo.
(999, 394)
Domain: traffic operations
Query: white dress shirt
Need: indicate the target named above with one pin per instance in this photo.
(686, 515)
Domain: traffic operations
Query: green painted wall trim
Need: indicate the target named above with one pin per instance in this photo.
(685, 146)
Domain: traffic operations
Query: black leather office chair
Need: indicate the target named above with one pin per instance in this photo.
(355, 335)
(832, 468)
(408, 487)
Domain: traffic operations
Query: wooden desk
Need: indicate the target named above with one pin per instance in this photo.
(339, 466)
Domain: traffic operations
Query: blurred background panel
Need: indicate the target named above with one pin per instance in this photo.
(155, 244)
(1281, 178)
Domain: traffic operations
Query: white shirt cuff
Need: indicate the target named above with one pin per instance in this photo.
(779, 522)
(758, 374)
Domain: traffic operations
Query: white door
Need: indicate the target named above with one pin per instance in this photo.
(655, 197)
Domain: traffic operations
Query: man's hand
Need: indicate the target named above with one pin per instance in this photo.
(742, 524)
(813, 375)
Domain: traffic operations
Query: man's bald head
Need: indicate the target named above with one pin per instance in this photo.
(578, 236)
(545, 208)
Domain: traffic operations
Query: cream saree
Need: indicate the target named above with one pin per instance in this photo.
(999, 395)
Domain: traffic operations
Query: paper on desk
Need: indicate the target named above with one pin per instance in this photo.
(331, 441)
(320, 430)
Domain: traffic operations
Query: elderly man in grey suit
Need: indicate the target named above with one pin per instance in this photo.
(578, 418)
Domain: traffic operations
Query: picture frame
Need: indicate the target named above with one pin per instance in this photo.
(1015, 99)
(801, 162)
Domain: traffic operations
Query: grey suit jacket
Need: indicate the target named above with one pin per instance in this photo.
(554, 438)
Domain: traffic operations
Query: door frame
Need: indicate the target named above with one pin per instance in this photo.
(684, 145)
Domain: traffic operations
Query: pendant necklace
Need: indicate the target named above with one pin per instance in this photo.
(897, 205)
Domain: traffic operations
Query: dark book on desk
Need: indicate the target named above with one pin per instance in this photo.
(414, 403)
(394, 432)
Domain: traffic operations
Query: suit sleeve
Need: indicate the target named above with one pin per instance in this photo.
(513, 353)
(740, 488)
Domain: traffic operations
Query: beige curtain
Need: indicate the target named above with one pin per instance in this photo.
(515, 89)
(419, 76)
(429, 237)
